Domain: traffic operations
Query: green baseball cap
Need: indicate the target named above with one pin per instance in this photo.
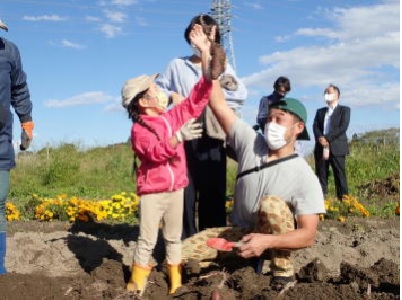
(295, 107)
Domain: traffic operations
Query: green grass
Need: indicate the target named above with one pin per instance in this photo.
(104, 171)
(372, 168)
(94, 173)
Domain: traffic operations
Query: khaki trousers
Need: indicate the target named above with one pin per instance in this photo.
(167, 207)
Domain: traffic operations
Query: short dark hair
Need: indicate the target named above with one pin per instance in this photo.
(336, 89)
(207, 23)
(283, 82)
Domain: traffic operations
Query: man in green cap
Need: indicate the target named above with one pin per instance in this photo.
(277, 198)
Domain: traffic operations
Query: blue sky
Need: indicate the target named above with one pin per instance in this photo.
(78, 53)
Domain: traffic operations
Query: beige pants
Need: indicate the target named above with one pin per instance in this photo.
(167, 207)
(274, 217)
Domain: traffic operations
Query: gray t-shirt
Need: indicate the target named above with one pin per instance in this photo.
(293, 180)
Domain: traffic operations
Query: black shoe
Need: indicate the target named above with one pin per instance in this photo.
(278, 283)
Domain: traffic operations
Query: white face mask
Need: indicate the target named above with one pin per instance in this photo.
(274, 135)
(163, 100)
(196, 51)
(329, 97)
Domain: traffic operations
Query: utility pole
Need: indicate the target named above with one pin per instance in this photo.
(221, 12)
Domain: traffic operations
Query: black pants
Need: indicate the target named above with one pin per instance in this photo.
(206, 161)
(338, 165)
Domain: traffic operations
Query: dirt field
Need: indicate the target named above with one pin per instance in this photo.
(356, 260)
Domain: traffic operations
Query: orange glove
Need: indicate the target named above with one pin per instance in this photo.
(26, 134)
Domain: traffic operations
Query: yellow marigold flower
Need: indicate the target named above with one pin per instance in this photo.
(12, 212)
(117, 198)
(342, 219)
(127, 203)
(334, 208)
(135, 199)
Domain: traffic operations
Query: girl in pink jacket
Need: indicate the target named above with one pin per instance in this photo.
(156, 138)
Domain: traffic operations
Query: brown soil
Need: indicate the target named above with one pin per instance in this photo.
(381, 187)
(356, 260)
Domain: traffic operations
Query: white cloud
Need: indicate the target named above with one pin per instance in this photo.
(68, 44)
(110, 30)
(117, 2)
(92, 19)
(367, 22)
(88, 98)
(325, 32)
(282, 38)
(254, 5)
(361, 55)
(56, 18)
(115, 16)
(383, 94)
(141, 21)
(114, 107)
(124, 2)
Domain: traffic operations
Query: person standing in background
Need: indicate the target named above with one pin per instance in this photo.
(281, 88)
(206, 157)
(14, 93)
(331, 143)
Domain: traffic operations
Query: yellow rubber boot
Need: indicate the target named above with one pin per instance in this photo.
(174, 273)
(138, 279)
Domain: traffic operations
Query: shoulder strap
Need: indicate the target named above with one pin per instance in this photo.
(266, 165)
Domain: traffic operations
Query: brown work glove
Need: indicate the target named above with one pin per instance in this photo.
(26, 135)
(218, 60)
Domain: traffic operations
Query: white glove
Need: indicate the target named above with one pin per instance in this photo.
(189, 131)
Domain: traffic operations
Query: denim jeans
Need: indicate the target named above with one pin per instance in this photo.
(4, 185)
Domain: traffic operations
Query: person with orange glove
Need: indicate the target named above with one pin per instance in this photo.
(14, 93)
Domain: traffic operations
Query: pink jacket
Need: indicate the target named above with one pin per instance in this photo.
(163, 168)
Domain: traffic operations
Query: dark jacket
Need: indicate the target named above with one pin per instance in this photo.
(336, 136)
(13, 93)
(263, 109)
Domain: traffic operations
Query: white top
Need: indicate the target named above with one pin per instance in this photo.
(327, 118)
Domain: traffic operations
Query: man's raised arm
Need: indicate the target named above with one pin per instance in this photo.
(225, 115)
